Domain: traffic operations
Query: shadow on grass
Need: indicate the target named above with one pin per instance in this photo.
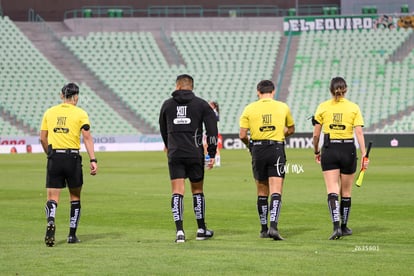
(370, 229)
(298, 231)
(93, 237)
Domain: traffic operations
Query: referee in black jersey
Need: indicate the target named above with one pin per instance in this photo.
(181, 125)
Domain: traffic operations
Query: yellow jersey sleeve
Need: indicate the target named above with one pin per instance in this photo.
(289, 118)
(244, 118)
(358, 121)
(43, 126)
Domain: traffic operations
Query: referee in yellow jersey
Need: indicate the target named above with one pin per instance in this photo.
(269, 122)
(61, 128)
(338, 119)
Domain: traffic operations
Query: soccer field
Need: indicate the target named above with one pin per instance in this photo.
(126, 226)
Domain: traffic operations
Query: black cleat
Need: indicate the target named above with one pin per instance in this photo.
(50, 235)
(346, 231)
(180, 237)
(274, 234)
(336, 235)
(204, 234)
(264, 234)
(73, 239)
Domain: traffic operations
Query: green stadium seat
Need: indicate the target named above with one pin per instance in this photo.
(334, 10)
(405, 8)
(87, 13)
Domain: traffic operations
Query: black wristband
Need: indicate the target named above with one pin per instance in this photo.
(93, 160)
(317, 152)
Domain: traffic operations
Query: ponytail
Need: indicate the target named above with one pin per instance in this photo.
(338, 88)
(339, 93)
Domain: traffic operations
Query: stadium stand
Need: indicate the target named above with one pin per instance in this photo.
(7, 129)
(30, 84)
(104, 120)
(403, 125)
(228, 66)
(381, 88)
(130, 64)
(225, 65)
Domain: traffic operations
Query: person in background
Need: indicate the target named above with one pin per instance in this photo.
(29, 148)
(13, 150)
(215, 106)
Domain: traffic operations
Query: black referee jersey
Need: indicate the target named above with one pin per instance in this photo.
(181, 125)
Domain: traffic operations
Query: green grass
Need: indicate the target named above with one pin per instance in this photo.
(126, 226)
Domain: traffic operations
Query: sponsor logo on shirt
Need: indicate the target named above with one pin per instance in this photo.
(182, 116)
(337, 122)
(267, 123)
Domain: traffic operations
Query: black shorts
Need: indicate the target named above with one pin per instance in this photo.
(340, 156)
(191, 168)
(268, 160)
(64, 169)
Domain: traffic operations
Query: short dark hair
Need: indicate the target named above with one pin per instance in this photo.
(70, 89)
(265, 86)
(185, 79)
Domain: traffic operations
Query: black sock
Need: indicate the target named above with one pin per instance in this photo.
(345, 210)
(275, 205)
(50, 209)
(75, 211)
(333, 205)
(177, 210)
(262, 209)
(199, 209)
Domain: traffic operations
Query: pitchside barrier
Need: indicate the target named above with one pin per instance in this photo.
(304, 140)
(154, 142)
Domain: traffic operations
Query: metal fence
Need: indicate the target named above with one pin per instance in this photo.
(199, 11)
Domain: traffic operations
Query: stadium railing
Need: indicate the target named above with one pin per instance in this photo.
(171, 11)
(100, 11)
(318, 9)
(200, 11)
(249, 10)
(283, 65)
(380, 7)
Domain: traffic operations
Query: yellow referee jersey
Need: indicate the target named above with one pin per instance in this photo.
(338, 119)
(266, 119)
(63, 123)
